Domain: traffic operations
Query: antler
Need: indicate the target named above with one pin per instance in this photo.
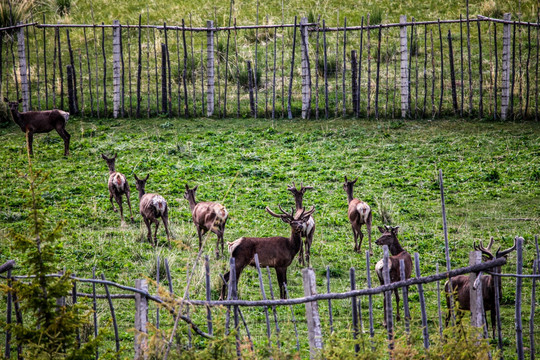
(500, 253)
(306, 214)
(292, 187)
(480, 247)
(285, 214)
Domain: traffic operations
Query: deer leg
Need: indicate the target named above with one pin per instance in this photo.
(281, 274)
(309, 241)
(493, 321)
(64, 135)
(225, 286)
(361, 236)
(118, 199)
(368, 226)
(199, 231)
(149, 235)
(301, 253)
(384, 306)
(355, 235)
(129, 205)
(156, 221)
(30, 140)
(398, 318)
(165, 218)
(112, 203)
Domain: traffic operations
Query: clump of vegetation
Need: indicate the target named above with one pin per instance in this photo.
(492, 176)
(376, 16)
(5, 114)
(490, 8)
(63, 6)
(50, 330)
(13, 12)
(331, 66)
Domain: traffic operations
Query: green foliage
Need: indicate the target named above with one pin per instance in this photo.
(5, 114)
(331, 66)
(63, 6)
(13, 12)
(376, 16)
(49, 329)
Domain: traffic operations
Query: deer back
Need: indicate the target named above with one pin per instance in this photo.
(43, 121)
(152, 206)
(117, 183)
(359, 211)
(275, 251)
(208, 214)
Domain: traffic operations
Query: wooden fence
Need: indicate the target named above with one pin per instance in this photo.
(469, 67)
(179, 307)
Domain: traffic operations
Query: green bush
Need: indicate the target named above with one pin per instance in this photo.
(13, 12)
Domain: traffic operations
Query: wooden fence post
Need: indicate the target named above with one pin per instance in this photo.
(23, 69)
(210, 68)
(71, 89)
(116, 68)
(505, 87)
(477, 301)
(312, 313)
(141, 318)
(404, 68)
(306, 72)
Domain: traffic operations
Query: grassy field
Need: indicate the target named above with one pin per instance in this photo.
(491, 181)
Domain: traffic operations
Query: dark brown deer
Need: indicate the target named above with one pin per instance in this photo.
(118, 186)
(37, 122)
(207, 216)
(359, 214)
(462, 287)
(152, 207)
(389, 238)
(277, 252)
(308, 232)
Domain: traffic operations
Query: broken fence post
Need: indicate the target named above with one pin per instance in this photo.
(312, 314)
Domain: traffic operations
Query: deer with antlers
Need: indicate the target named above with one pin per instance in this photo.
(359, 214)
(308, 232)
(152, 207)
(207, 216)
(461, 285)
(277, 252)
(37, 122)
(118, 186)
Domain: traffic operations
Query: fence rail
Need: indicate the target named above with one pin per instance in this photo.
(359, 72)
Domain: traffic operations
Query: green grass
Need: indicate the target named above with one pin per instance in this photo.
(490, 172)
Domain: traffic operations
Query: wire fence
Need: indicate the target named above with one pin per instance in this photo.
(468, 67)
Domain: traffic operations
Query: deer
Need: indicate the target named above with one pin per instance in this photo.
(38, 122)
(152, 207)
(118, 186)
(389, 238)
(461, 286)
(310, 225)
(207, 216)
(276, 252)
(359, 214)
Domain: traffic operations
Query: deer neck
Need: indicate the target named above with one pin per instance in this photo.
(192, 202)
(18, 119)
(141, 193)
(111, 169)
(298, 201)
(395, 248)
(296, 242)
(350, 195)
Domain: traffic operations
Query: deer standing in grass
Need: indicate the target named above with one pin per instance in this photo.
(118, 186)
(277, 252)
(389, 238)
(462, 287)
(309, 230)
(207, 216)
(359, 214)
(152, 207)
(37, 122)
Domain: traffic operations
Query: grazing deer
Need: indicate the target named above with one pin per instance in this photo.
(308, 232)
(152, 207)
(277, 252)
(462, 287)
(359, 214)
(118, 186)
(389, 238)
(39, 122)
(207, 216)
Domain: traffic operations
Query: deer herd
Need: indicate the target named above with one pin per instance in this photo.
(277, 252)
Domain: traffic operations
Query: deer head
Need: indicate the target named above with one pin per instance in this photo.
(190, 193)
(389, 235)
(13, 105)
(297, 222)
(488, 255)
(140, 183)
(110, 161)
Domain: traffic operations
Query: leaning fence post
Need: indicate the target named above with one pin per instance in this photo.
(141, 318)
(22, 68)
(306, 72)
(312, 313)
(505, 87)
(210, 70)
(477, 302)
(519, 281)
(404, 68)
(116, 68)
(71, 89)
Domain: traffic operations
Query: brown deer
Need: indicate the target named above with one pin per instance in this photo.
(39, 122)
(308, 232)
(207, 216)
(277, 252)
(389, 238)
(359, 214)
(462, 287)
(152, 207)
(118, 186)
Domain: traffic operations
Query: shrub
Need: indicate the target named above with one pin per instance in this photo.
(12, 12)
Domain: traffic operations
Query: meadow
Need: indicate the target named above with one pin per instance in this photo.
(491, 175)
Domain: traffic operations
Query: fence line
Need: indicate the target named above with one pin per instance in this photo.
(509, 94)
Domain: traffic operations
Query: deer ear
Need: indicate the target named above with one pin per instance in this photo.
(103, 156)
(355, 180)
(187, 187)
(136, 178)
(345, 178)
(381, 229)
(115, 155)
(147, 176)
(6, 99)
(195, 188)
(395, 229)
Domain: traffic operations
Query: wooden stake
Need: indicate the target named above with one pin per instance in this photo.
(425, 333)
(116, 69)
(193, 73)
(266, 73)
(250, 86)
(425, 71)
(237, 71)
(527, 71)
(519, 282)
(495, 106)
(452, 73)
(60, 70)
(289, 111)
(370, 297)
(139, 70)
(163, 78)
(54, 71)
(37, 67)
(377, 78)
(122, 88)
(257, 62)
(141, 319)
(368, 108)
(405, 295)
(169, 103)
(94, 308)
(330, 315)
(480, 75)
(208, 293)
(388, 300)
(360, 66)
(72, 62)
(184, 80)
(274, 76)
(404, 69)
(317, 71)
(210, 67)
(505, 86)
(442, 69)
(129, 73)
(344, 65)
(352, 278)
(306, 72)
(274, 311)
(111, 307)
(104, 70)
(156, 73)
(179, 80)
(462, 62)
(469, 61)
(261, 286)
(354, 83)
(23, 70)
(513, 79)
(325, 72)
(227, 63)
